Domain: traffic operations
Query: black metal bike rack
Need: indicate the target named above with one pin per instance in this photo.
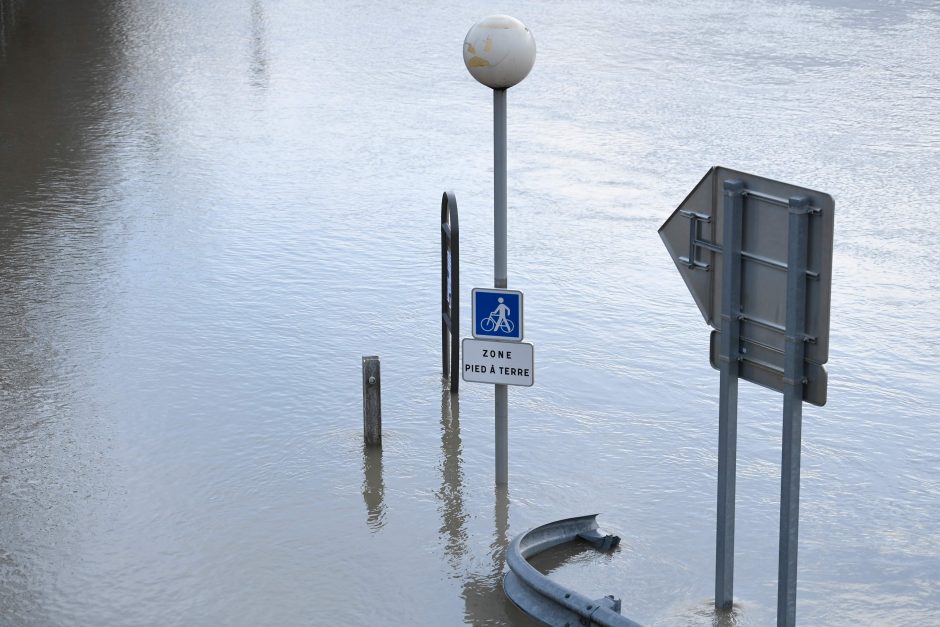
(450, 290)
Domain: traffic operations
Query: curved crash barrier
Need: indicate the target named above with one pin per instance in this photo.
(540, 597)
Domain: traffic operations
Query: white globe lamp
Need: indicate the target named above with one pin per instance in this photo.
(499, 51)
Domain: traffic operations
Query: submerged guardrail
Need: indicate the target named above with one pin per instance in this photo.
(547, 601)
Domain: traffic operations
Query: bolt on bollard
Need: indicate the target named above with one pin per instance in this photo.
(371, 401)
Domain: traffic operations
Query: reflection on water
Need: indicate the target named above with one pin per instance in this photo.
(6, 15)
(258, 67)
(206, 208)
(373, 486)
(450, 494)
(484, 602)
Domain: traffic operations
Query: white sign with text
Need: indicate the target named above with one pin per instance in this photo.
(503, 363)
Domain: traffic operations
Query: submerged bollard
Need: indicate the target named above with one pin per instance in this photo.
(371, 401)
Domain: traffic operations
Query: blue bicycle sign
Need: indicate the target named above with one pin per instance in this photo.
(497, 314)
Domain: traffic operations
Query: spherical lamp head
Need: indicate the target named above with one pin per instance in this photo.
(499, 51)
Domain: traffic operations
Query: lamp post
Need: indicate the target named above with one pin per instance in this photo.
(499, 51)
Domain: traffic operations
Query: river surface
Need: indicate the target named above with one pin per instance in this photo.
(209, 211)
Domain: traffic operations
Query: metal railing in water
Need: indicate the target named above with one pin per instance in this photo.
(547, 601)
(450, 290)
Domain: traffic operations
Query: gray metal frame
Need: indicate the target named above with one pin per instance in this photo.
(450, 290)
(759, 266)
(694, 235)
(547, 601)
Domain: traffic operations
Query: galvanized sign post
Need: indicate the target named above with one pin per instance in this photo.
(728, 395)
(450, 289)
(499, 51)
(756, 255)
(795, 338)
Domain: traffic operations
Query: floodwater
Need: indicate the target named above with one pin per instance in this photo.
(209, 211)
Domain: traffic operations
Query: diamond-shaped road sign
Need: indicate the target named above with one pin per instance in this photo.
(693, 235)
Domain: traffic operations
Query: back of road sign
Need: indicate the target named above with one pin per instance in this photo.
(693, 235)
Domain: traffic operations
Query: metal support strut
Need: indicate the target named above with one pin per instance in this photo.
(797, 251)
(728, 394)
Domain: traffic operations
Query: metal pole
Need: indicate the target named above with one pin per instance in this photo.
(500, 246)
(371, 401)
(795, 347)
(728, 395)
(499, 188)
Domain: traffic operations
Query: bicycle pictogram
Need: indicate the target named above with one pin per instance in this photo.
(498, 319)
